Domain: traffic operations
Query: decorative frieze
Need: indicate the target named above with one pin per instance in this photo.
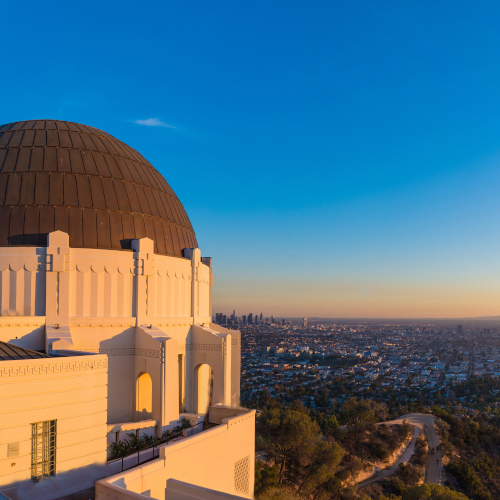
(124, 351)
(15, 325)
(48, 368)
(199, 347)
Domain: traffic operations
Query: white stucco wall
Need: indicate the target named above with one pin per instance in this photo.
(138, 312)
(221, 459)
(72, 391)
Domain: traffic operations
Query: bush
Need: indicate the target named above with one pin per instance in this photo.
(428, 492)
(485, 465)
(468, 479)
(421, 456)
(133, 443)
(408, 474)
(265, 477)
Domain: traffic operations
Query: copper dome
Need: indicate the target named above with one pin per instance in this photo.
(57, 175)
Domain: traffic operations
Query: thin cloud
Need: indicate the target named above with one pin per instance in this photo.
(153, 122)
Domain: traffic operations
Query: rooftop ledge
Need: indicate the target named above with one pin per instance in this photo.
(132, 426)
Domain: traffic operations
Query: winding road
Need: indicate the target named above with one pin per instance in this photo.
(422, 423)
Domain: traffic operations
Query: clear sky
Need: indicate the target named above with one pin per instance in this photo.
(335, 158)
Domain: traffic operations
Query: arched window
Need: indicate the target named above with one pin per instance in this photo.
(144, 397)
(203, 379)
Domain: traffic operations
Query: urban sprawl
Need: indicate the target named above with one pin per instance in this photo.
(323, 363)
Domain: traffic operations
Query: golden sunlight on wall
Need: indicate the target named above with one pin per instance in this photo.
(144, 397)
(203, 379)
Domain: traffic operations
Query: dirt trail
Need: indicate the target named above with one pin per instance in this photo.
(423, 423)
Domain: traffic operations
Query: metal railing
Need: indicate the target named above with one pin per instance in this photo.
(195, 429)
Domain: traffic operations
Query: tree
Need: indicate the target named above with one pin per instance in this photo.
(363, 410)
(468, 479)
(287, 435)
(298, 406)
(278, 493)
(265, 477)
(426, 492)
(408, 474)
(320, 466)
(332, 427)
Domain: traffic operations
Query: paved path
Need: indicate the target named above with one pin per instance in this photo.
(394, 467)
(422, 422)
(433, 470)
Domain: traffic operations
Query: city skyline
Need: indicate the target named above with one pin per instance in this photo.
(351, 150)
(251, 318)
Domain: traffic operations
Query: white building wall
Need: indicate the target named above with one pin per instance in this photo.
(95, 300)
(221, 459)
(72, 391)
(22, 281)
(101, 283)
(173, 287)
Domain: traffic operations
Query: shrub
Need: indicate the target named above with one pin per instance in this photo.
(468, 479)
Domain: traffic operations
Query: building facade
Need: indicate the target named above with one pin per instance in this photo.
(105, 320)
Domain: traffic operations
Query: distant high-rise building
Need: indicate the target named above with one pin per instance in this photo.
(261, 318)
(272, 320)
(233, 316)
(304, 324)
(460, 329)
(224, 319)
(283, 322)
(250, 318)
(244, 320)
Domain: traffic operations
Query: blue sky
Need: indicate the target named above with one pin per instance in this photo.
(335, 158)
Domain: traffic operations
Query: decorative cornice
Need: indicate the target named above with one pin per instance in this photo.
(124, 351)
(174, 324)
(103, 325)
(175, 272)
(199, 347)
(48, 368)
(20, 324)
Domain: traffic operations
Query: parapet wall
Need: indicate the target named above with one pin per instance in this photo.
(220, 459)
(219, 413)
(101, 283)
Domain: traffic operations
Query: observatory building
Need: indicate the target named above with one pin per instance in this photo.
(106, 329)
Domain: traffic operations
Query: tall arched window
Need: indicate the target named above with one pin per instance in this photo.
(144, 397)
(203, 389)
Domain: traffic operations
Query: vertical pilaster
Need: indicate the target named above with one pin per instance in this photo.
(57, 292)
(57, 279)
(226, 370)
(208, 262)
(145, 283)
(195, 255)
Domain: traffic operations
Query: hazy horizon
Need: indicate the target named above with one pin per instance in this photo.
(361, 319)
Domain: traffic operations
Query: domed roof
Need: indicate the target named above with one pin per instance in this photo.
(57, 175)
